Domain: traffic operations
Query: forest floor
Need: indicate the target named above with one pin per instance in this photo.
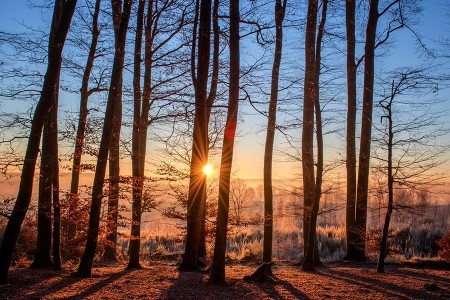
(161, 280)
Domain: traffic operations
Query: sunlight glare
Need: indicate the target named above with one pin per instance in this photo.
(207, 169)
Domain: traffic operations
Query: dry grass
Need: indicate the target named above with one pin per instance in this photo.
(162, 281)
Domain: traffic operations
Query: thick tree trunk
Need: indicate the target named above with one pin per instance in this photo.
(366, 133)
(42, 253)
(136, 156)
(45, 102)
(217, 275)
(81, 128)
(308, 131)
(85, 267)
(197, 185)
(351, 131)
(280, 8)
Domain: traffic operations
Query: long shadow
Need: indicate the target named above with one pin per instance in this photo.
(386, 288)
(416, 273)
(270, 289)
(99, 285)
(67, 281)
(188, 284)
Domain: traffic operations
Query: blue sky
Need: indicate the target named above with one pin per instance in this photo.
(435, 26)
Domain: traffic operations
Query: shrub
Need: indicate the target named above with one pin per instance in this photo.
(444, 245)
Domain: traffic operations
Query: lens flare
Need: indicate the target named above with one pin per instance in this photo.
(207, 169)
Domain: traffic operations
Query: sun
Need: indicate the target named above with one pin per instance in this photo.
(207, 169)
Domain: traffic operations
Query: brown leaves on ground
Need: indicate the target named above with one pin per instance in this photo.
(163, 281)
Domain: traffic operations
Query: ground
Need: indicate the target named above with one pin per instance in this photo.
(161, 280)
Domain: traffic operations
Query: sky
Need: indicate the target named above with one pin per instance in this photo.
(249, 151)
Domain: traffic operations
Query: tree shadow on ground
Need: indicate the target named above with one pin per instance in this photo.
(194, 285)
(273, 289)
(367, 283)
(67, 281)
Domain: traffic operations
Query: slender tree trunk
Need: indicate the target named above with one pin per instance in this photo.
(217, 275)
(351, 131)
(366, 133)
(382, 254)
(55, 185)
(114, 151)
(45, 102)
(209, 103)
(85, 267)
(312, 252)
(81, 128)
(197, 186)
(280, 8)
(308, 130)
(137, 141)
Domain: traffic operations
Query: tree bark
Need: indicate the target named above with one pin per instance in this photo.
(56, 249)
(81, 128)
(382, 254)
(351, 131)
(217, 275)
(45, 102)
(85, 267)
(280, 8)
(197, 185)
(366, 133)
(308, 129)
(42, 253)
(209, 104)
(312, 258)
(136, 157)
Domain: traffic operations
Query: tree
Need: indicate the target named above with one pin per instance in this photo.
(356, 230)
(312, 252)
(156, 42)
(217, 275)
(413, 152)
(58, 33)
(199, 156)
(85, 92)
(138, 174)
(350, 159)
(123, 16)
(312, 184)
(280, 9)
(240, 195)
(114, 150)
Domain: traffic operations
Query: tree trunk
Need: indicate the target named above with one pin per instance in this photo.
(45, 102)
(312, 258)
(136, 156)
(42, 253)
(217, 275)
(79, 141)
(308, 131)
(85, 267)
(382, 254)
(114, 150)
(55, 186)
(351, 131)
(366, 133)
(197, 185)
(280, 8)
(209, 103)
